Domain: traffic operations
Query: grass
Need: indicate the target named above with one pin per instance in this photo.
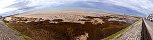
(118, 34)
(24, 37)
(44, 30)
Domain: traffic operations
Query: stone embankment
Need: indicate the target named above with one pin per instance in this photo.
(6, 33)
(134, 33)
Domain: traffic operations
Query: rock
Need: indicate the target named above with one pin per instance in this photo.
(82, 37)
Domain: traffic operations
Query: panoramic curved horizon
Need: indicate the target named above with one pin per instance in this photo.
(128, 7)
(76, 19)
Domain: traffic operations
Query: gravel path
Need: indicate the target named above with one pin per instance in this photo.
(6, 33)
(132, 34)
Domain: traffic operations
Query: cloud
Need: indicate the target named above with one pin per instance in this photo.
(3, 10)
(4, 3)
(43, 2)
(143, 6)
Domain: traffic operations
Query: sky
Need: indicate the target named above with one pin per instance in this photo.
(142, 6)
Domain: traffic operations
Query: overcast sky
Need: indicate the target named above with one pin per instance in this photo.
(144, 6)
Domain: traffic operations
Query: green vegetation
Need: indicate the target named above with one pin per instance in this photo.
(43, 30)
(93, 28)
(24, 37)
(119, 33)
